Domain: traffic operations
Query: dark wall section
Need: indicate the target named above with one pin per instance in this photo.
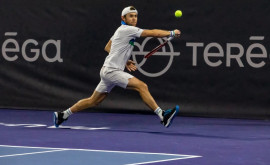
(52, 51)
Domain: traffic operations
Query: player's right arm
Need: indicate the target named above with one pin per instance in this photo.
(159, 33)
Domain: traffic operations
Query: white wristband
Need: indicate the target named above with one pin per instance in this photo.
(172, 34)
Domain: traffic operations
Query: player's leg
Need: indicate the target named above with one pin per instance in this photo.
(90, 102)
(94, 100)
(142, 88)
(103, 88)
(166, 116)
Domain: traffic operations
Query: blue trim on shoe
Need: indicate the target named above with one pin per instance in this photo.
(176, 112)
(54, 119)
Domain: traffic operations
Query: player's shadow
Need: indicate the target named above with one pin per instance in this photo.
(193, 135)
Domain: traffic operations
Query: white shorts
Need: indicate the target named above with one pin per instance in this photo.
(111, 77)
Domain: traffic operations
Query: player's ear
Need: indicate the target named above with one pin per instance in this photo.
(123, 18)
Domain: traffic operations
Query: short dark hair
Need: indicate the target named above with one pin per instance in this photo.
(132, 8)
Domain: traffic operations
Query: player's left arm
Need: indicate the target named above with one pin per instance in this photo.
(108, 46)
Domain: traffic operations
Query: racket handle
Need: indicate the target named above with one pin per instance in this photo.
(157, 48)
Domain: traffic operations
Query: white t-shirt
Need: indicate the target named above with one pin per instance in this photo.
(121, 47)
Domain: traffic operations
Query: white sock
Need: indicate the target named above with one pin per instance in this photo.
(159, 111)
(67, 113)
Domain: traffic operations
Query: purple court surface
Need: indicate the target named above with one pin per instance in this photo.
(28, 137)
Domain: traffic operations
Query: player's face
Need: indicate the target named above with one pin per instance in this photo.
(131, 19)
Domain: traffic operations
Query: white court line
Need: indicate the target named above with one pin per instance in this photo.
(31, 153)
(128, 152)
(78, 127)
(69, 149)
(166, 160)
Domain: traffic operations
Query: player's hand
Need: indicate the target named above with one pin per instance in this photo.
(130, 65)
(177, 33)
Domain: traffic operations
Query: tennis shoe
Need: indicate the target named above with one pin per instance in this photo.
(58, 118)
(168, 116)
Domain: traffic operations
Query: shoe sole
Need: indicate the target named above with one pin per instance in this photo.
(170, 120)
(55, 116)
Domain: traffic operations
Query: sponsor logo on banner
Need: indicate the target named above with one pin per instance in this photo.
(171, 54)
(214, 55)
(29, 51)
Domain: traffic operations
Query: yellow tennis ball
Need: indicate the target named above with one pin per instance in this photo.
(178, 13)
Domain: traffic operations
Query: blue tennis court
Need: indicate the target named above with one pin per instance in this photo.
(33, 155)
(28, 137)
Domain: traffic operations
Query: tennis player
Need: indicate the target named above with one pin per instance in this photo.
(112, 72)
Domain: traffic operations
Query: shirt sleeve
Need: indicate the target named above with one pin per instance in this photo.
(135, 31)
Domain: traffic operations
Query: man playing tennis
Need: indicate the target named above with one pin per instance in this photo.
(112, 73)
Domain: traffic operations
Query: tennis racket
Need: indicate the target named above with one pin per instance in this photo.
(157, 48)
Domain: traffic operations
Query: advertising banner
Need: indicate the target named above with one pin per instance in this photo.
(52, 52)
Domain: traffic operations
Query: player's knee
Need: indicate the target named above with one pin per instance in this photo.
(143, 86)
